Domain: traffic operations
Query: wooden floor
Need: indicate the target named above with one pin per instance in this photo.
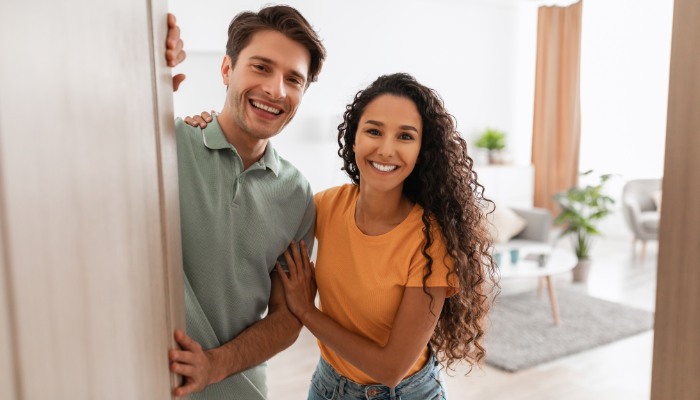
(620, 371)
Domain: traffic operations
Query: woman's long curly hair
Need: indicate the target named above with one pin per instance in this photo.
(444, 183)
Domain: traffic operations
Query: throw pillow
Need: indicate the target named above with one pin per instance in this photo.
(504, 224)
(656, 198)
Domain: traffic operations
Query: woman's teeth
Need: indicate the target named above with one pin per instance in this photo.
(385, 168)
(266, 108)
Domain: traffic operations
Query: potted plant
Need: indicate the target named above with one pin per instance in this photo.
(581, 208)
(493, 141)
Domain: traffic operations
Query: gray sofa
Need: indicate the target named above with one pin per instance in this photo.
(537, 230)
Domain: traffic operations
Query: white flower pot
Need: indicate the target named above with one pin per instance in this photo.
(581, 269)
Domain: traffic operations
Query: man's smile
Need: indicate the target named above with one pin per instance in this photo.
(265, 110)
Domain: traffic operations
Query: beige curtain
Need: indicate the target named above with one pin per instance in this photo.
(557, 119)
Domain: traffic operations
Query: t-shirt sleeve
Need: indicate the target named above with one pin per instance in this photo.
(305, 231)
(442, 265)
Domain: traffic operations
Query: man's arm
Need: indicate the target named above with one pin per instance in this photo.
(260, 342)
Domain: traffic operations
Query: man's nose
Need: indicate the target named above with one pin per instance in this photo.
(274, 87)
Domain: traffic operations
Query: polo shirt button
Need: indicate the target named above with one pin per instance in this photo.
(372, 392)
(240, 180)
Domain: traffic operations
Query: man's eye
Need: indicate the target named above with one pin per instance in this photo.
(295, 81)
(259, 67)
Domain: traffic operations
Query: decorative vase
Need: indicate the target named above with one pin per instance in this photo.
(495, 157)
(581, 269)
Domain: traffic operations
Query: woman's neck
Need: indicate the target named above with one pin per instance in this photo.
(377, 212)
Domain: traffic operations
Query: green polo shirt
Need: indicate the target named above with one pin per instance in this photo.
(235, 225)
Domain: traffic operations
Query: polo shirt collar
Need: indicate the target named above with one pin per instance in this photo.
(213, 136)
(270, 159)
(214, 139)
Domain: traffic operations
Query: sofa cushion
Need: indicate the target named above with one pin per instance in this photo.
(650, 220)
(504, 224)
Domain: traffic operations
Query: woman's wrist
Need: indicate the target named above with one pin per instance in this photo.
(307, 315)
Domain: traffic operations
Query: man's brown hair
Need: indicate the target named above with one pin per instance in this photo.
(284, 19)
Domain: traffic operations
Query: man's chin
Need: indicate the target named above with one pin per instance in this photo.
(263, 134)
(265, 131)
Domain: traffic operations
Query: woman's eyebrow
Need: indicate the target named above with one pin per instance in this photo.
(373, 122)
(404, 127)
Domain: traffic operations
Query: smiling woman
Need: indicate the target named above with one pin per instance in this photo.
(403, 265)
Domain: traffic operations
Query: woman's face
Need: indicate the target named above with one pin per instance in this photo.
(387, 142)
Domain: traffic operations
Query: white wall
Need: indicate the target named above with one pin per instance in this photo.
(625, 58)
(476, 54)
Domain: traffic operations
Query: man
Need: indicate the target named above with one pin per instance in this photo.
(241, 205)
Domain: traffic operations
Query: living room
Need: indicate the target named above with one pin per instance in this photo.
(482, 58)
(579, 119)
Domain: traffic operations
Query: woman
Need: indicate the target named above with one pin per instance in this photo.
(404, 268)
(403, 252)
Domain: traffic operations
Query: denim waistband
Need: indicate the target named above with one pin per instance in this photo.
(363, 391)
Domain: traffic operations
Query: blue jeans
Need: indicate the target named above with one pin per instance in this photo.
(426, 384)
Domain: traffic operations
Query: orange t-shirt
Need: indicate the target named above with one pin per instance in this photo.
(361, 279)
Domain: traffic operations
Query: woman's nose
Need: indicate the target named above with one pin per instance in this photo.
(386, 147)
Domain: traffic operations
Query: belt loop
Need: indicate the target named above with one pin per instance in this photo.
(341, 387)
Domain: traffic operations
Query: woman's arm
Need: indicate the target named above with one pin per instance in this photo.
(388, 365)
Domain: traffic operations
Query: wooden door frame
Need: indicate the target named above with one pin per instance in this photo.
(167, 176)
(676, 363)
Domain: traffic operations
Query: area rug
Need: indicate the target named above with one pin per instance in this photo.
(523, 335)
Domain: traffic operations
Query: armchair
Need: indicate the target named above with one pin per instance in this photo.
(640, 212)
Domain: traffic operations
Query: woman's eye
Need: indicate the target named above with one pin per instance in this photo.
(373, 132)
(406, 136)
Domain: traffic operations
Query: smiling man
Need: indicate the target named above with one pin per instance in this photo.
(240, 206)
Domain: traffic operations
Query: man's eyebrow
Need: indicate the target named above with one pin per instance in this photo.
(274, 64)
(404, 127)
(263, 59)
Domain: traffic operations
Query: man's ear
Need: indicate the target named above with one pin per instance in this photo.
(226, 70)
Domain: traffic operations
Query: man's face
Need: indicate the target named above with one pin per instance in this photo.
(267, 83)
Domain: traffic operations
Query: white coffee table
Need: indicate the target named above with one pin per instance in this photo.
(558, 261)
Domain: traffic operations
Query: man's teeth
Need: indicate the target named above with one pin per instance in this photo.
(266, 108)
(385, 168)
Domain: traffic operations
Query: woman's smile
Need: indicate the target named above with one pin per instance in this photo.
(384, 168)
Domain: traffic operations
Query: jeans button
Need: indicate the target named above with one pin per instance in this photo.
(372, 392)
